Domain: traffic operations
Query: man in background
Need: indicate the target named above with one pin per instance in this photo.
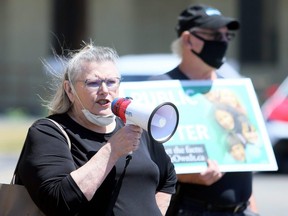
(203, 38)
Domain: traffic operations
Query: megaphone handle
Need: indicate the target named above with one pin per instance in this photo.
(129, 123)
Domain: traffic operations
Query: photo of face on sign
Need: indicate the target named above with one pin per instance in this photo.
(238, 130)
(236, 147)
(226, 97)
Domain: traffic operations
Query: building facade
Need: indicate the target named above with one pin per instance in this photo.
(31, 29)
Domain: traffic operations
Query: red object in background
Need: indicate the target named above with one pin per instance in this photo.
(277, 107)
(270, 91)
(280, 112)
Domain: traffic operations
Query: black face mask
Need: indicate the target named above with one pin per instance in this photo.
(213, 52)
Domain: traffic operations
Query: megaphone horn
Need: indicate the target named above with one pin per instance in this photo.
(160, 122)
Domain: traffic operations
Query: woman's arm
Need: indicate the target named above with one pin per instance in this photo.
(91, 175)
(252, 204)
(163, 201)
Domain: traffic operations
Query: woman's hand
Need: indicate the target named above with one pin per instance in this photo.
(126, 140)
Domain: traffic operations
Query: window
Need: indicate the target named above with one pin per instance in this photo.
(69, 24)
(258, 34)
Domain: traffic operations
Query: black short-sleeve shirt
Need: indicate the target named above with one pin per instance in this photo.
(47, 161)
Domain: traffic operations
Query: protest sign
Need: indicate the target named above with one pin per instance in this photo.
(219, 120)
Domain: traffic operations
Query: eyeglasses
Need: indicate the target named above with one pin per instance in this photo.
(94, 84)
(214, 36)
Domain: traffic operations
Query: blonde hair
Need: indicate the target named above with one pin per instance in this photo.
(73, 67)
(176, 47)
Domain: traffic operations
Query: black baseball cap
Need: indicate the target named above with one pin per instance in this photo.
(204, 16)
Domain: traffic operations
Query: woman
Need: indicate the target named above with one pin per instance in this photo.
(81, 180)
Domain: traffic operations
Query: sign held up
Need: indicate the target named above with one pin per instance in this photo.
(219, 120)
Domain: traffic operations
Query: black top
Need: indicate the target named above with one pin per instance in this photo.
(233, 187)
(46, 163)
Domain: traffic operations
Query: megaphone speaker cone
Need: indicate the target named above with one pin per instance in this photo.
(163, 122)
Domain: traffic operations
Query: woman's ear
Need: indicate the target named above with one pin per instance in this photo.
(69, 90)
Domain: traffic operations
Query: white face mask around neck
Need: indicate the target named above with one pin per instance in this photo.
(101, 120)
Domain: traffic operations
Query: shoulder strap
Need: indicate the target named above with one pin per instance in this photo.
(64, 133)
(62, 130)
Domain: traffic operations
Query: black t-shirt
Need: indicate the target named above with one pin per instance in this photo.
(233, 187)
(47, 161)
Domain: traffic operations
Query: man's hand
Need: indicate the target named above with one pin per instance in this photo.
(208, 177)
